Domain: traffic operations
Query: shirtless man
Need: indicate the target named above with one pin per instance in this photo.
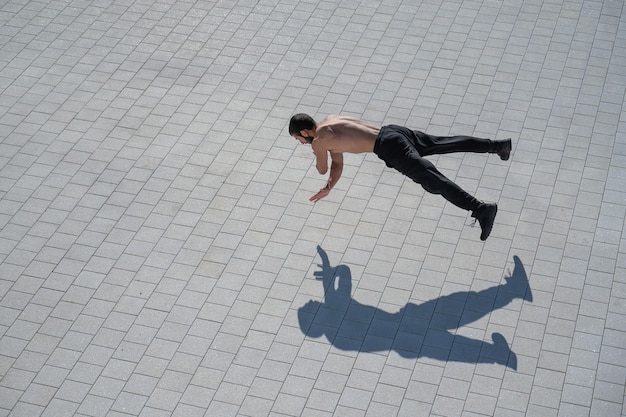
(400, 148)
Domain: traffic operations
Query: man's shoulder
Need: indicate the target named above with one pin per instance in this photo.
(329, 121)
(326, 130)
(331, 117)
(325, 139)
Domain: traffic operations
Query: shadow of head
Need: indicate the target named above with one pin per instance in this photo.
(306, 315)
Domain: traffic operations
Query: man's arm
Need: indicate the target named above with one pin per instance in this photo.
(321, 157)
(336, 168)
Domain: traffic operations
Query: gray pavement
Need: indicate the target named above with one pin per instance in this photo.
(159, 256)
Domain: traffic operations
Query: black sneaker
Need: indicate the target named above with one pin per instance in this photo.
(485, 214)
(503, 149)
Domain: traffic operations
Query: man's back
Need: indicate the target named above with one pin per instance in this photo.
(338, 134)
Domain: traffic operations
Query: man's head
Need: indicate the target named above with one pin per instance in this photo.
(302, 127)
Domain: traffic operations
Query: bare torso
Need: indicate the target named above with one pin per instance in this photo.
(339, 134)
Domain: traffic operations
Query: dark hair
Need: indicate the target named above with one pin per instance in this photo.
(299, 122)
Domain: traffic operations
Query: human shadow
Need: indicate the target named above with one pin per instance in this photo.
(415, 330)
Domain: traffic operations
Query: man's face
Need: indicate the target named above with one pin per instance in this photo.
(304, 137)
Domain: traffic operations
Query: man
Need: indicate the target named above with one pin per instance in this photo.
(400, 148)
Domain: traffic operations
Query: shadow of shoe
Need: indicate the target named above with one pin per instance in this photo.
(517, 282)
(501, 353)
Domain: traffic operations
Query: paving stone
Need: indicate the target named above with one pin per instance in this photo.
(158, 255)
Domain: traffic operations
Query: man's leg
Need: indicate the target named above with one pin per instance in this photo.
(424, 172)
(432, 145)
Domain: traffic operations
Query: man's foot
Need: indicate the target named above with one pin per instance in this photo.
(485, 214)
(503, 149)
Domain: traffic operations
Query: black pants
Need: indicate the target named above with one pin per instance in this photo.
(404, 149)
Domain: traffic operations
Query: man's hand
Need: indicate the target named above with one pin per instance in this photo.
(320, 194)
